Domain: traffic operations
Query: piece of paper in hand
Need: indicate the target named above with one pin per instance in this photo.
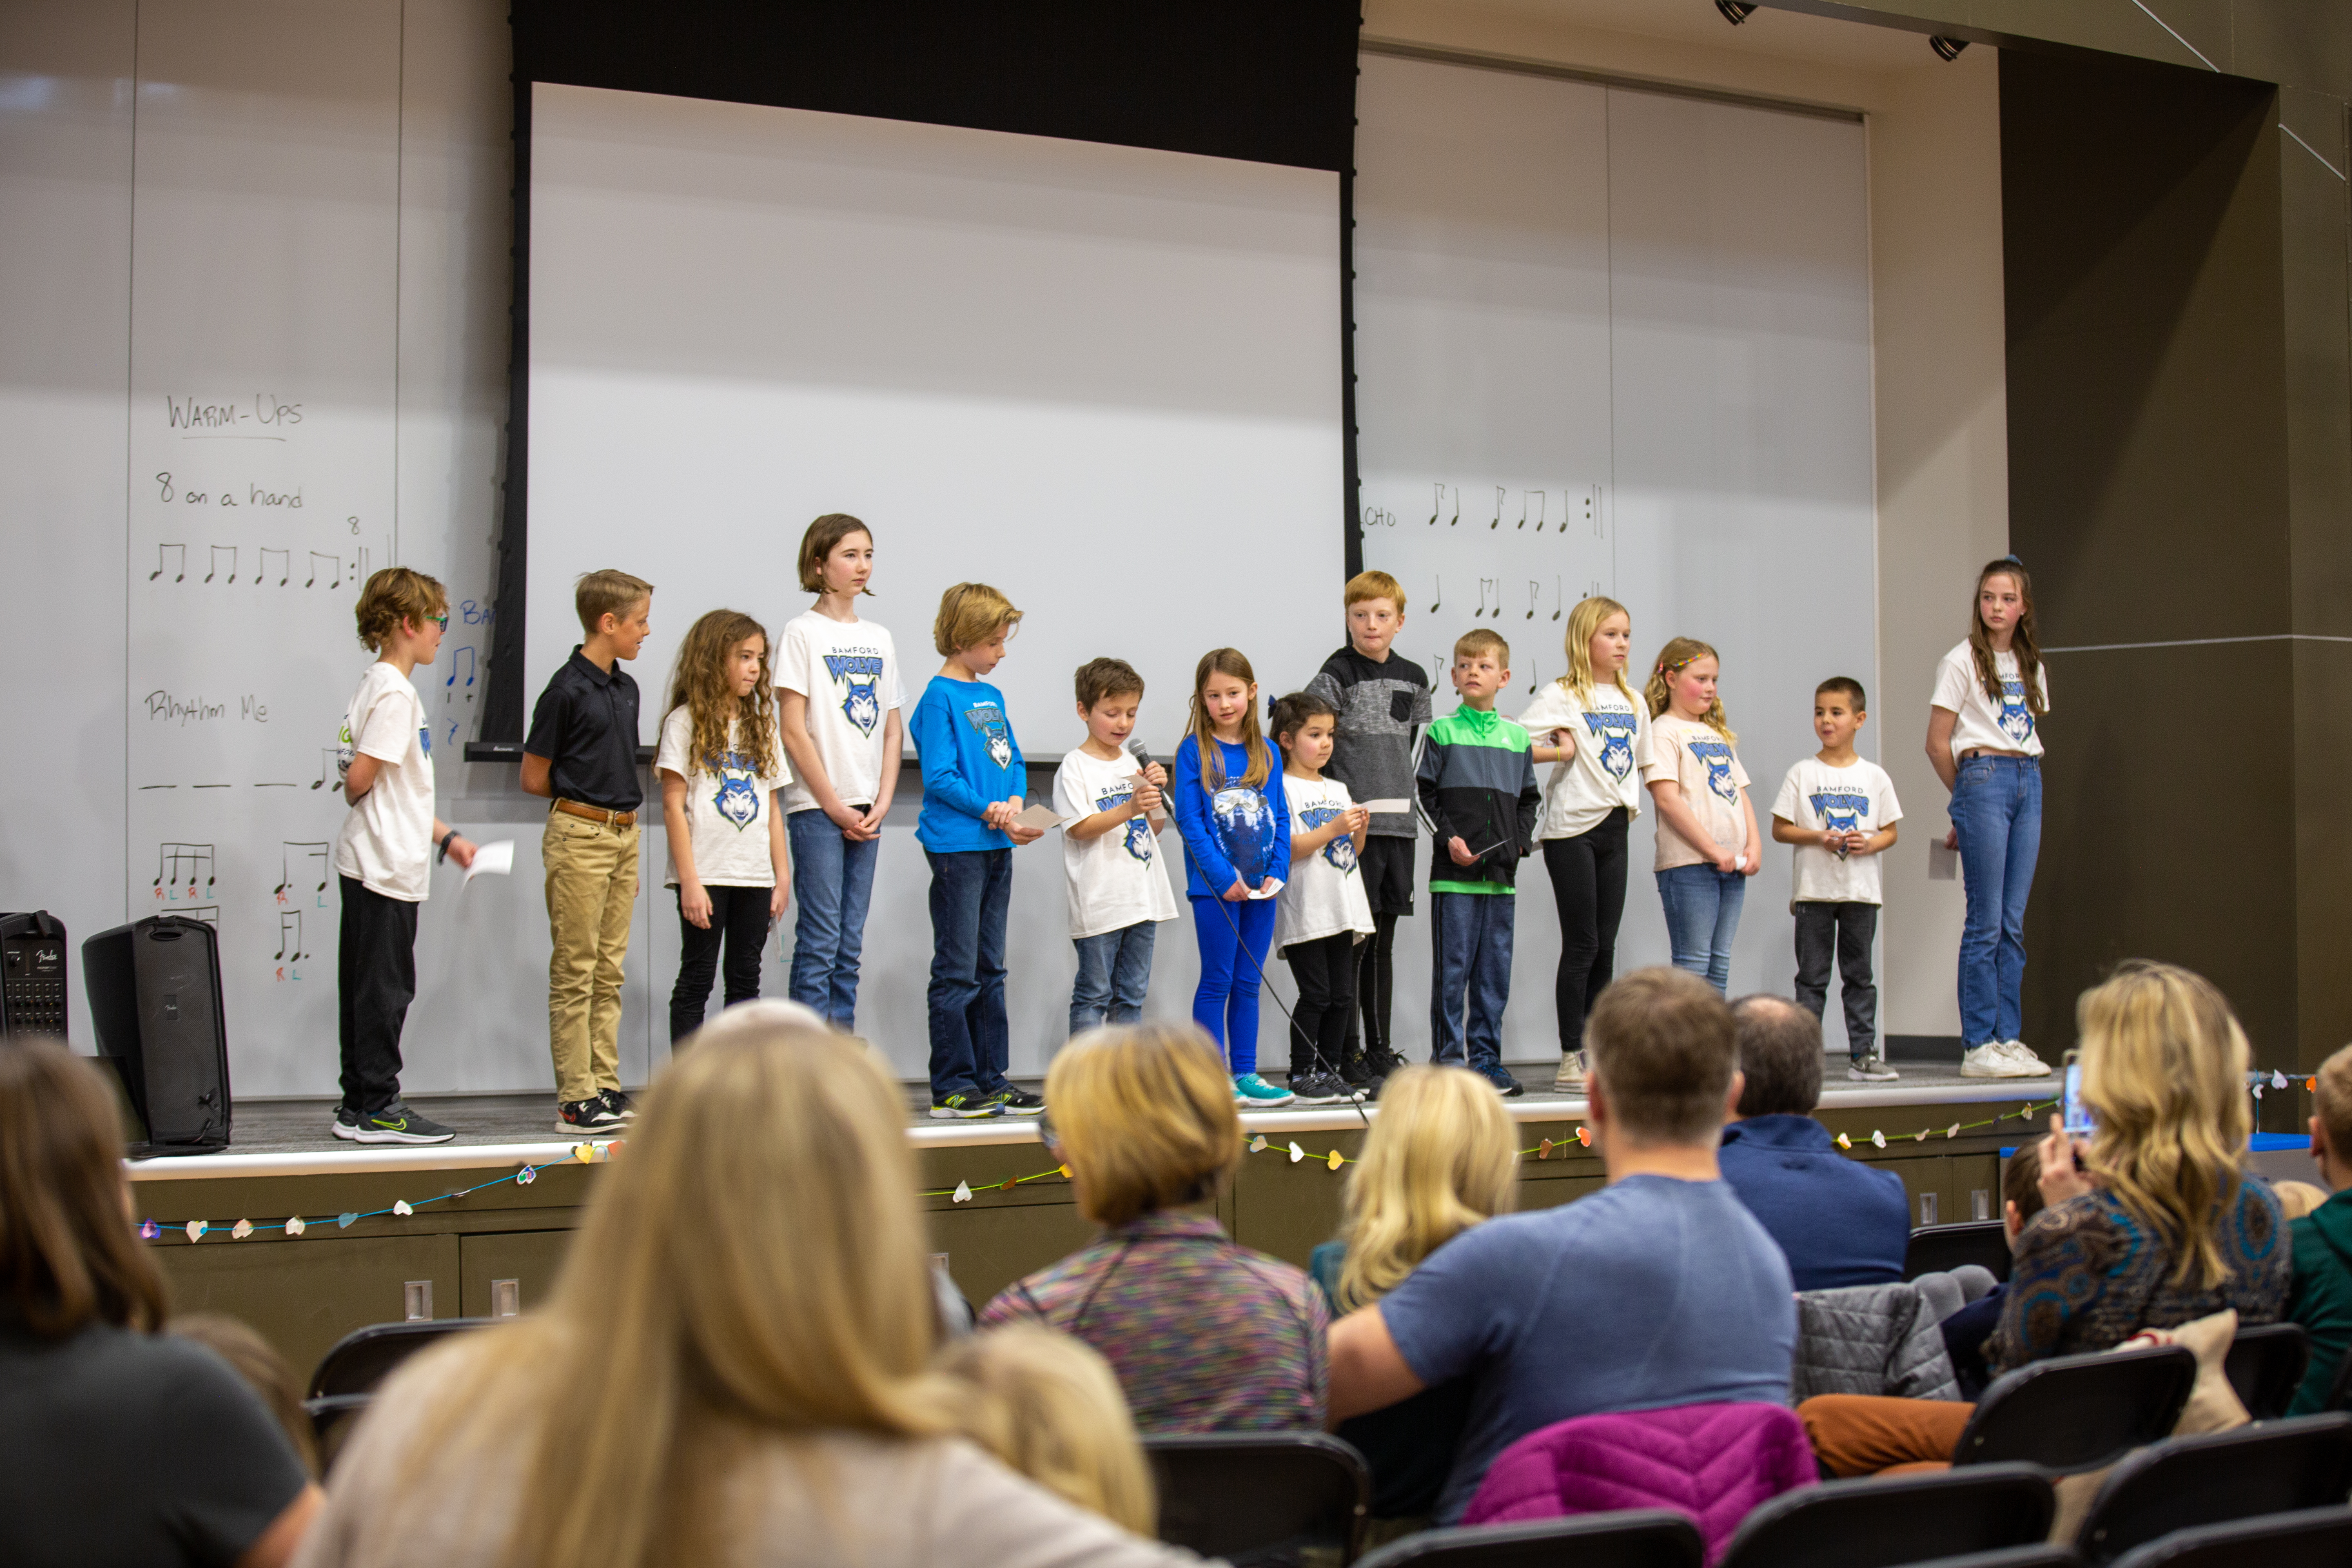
(1040, 816)
(1256, 894)
(494, 859)
(1394, 807)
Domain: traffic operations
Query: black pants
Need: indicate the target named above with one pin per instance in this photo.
(1587, 889)
(1325, 970)
(376, 980)
(739, 916)
(1386, 866)
(1847, 930)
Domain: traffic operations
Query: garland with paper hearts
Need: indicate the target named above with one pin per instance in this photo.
(293, 1225)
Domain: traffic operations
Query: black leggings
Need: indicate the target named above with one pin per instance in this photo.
(1587, 888)
(1325, 970)
(739, 917)
(1375, 981)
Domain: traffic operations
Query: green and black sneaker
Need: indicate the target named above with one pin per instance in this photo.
(964, 1108)
(395, 1123)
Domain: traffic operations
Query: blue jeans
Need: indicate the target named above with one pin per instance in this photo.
(971, 891)
(1114, 968)
(1996, 806)
(1702, 917)
(1471, 946)
(1234, 939)
(833, 881)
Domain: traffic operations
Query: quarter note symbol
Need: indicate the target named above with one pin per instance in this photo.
(1543, 505)
(215, 562)
(179, 562)
(1499, 493)
(1457, 507)
(1481, 610)
(1535, 592)
(1523, 508)
(1438, 595)
(1436, 505)
(1555, 598)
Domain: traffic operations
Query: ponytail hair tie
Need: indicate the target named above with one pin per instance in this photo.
(2013, 560)
(1269, 708)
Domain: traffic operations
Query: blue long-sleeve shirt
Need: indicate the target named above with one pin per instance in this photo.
(1208, 868)
(970, 761)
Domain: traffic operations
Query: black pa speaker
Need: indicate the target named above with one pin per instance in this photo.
(32, 974)
(155, 1002)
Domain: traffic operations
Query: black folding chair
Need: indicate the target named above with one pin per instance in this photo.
(1633, 1538)
(2339, 1392)
(1260, 1498)
(2279, 1467)
(332, 1417)
(362, 1359)
(2321, 1538)
(2079, 1412)
(2042, 1556)
(2265, 1365)
(1885, 1520)
(1940, 1248)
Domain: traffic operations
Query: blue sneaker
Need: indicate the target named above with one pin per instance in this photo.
(1254, 1093)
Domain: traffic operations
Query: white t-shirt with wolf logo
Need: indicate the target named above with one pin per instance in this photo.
(1118, 879)
(1980, 726)
(727, 807)
(850, 676)
(1608, 728)
(1324, 894)
(1817, 797)
(1694, 756)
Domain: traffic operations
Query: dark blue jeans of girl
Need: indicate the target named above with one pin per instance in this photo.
(972, 890)
(1996, 806)
(1234, 939)
(1702, 917)
(832, 882)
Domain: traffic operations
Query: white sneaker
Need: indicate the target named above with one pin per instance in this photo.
(1872, 1068)
(2022, 1054)
(1988, 1060)
(1570, 1079)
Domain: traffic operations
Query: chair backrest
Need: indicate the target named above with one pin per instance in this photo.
(1885, 1520)
(2265, 1365)
(1260, 1497)
(2279, 1467)
(2042, 1556)
(2339, 1392)
(1636, 1538)
(2321, 1538)
(2079, 1412)
(332, 1417)
(1940, 1248)
(362, 1359)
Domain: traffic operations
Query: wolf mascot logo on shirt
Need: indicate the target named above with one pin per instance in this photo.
(1341, 851)
(738, 800)
(1841, 811)
(1614, 731)
(997, 734)
(1717, 758)
(1138, 838)
(861, 674)
(2016, 718)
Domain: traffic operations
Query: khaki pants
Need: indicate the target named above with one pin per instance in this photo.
(592, 895)
(1866, 1434)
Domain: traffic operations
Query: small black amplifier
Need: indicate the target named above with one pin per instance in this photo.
(33, 974)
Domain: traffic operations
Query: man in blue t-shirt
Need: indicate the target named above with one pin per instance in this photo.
(1838, 1221)
(1659, 1291)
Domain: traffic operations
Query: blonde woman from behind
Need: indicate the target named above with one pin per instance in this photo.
(1439, 1160)
(1049, 1407)
(735, 1368)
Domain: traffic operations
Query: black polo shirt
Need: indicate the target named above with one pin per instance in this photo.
(586, 727)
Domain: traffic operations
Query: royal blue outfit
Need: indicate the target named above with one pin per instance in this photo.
(1233, 823)
(970, 761)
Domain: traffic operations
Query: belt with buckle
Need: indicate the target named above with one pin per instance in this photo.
(597, 814)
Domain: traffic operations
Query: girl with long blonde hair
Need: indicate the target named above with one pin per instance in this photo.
(1049, 1407)
(1440, 1159)
(1589, 725)
(734, 1368)
(720, 762)
(1984, 739)
(1235, 820)
(1708, 842)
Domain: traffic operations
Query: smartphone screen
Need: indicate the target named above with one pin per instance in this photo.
(2078, 1118)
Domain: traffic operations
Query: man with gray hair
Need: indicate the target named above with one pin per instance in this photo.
(1839, 1221)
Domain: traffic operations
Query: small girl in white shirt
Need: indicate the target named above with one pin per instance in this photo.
(1322, 912)
(1707, 843)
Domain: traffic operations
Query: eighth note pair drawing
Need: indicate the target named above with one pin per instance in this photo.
(271, 567)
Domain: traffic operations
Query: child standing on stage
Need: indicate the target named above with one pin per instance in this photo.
(838, 697)
(1839, 811)
(1984, 739)
(1112, 813)
(1707, 843)
(582, 753)
(1590, 725)
(1477, 786)
(973, 782)
(1382, 702)
(382, 855)
(1322, 913)
(1235, 821)
(720, 762)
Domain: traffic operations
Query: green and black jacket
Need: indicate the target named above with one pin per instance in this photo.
(1477, 783)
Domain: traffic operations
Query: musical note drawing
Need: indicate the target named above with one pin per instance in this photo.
(1555, 598)
(289, 936)
(208, 913)
(288, 852)
(1543, 506)
(179, 554)
(285, 566)
(216, 561)
(196, 859)
(1439, 593)
(360, 559)
(334, 569)
(1481, 610)
(463, 657)
(1535, 592)
(328, 759)
(1458, 507)
(1436, 505)
(1499, 493)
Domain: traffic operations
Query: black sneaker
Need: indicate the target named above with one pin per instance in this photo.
(616, 1102)
(1357, 1073)
(1383, 1062)
(1320, 1088)
(586, 1116)
(1017, 1101)
(395, 1123)
(345, 1123)
(965, 1108)
(1505, 1084)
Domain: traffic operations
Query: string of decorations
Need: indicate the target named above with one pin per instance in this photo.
(293, 1225)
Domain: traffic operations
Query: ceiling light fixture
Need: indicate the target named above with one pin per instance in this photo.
(1947, 49)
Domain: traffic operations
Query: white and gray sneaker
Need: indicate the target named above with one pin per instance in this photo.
(1872, 1068)
(2020, 1052)
(1989, 1061)
(1570, 1079)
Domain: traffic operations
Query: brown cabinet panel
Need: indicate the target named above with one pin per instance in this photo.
(303, 1296)
(988, 1248)
(530, 1258)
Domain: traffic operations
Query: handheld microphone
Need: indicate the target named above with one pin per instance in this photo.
(1142, 755)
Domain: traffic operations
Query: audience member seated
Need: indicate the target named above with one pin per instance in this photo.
(1206, 1336)
(2321, 1300)
(1440, 1159)
(1965, 1331)
(1839, 1221)
(2150, 1224)
(119, 1444)
(1047, 1405)
(735, 1367)
(265, 1372)
(1659, 1291)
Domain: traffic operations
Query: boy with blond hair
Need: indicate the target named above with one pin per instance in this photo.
(1383, 703)
(381, 855)
(582, 753)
